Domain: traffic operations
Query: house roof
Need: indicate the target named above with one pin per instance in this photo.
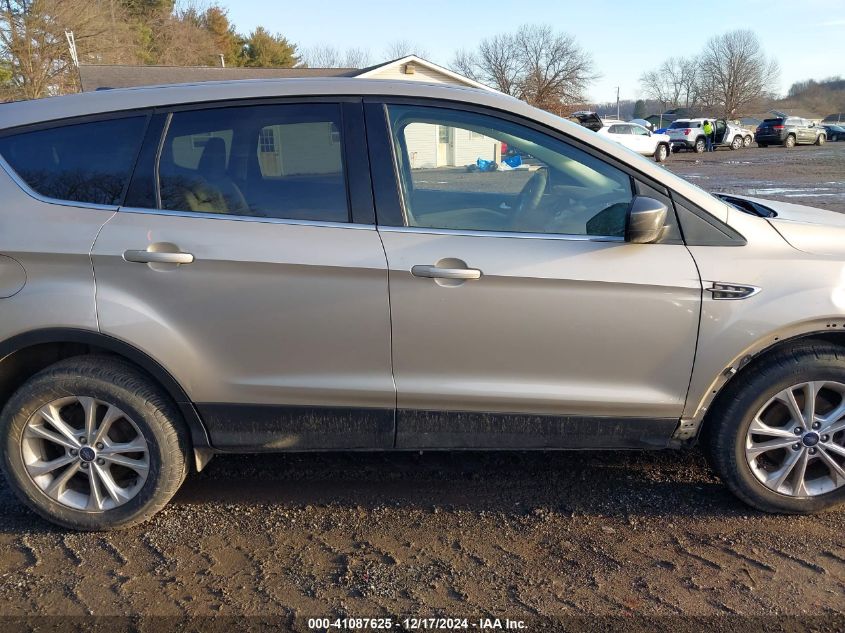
(101, 76)
(372, 72)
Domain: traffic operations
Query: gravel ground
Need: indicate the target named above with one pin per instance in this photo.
(518, 535)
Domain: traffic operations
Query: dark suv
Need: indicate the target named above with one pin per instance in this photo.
(789, 132)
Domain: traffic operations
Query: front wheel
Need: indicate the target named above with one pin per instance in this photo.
(820, 140)
(90, 443)
(661, 153)
(746, 142)
(790, 141)
(736, 143)
(776, 436)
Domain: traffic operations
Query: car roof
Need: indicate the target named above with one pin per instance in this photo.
(21, 113)
(102, 101)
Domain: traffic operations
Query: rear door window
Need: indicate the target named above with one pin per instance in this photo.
(82, 162)
(277, 161)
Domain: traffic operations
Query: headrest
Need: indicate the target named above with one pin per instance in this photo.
(213, 160)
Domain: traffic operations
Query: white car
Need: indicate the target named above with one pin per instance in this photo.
(637, 138)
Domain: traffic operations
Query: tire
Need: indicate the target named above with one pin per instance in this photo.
(746, 142)
(138, 423)
(751, 394)
(700, 146)
(820, 139)
(736, 143)
(764, 145)
(790, 141)
(661, 153)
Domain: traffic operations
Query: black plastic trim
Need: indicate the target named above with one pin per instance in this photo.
(282, 428)
(120, 348)
(473, 430)
(357, 163)
(389, 208)
(270, 428)
(700, 228)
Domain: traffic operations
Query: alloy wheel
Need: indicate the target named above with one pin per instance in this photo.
(795, 444)
(85, 453)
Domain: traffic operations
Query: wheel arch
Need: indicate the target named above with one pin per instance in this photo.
(24, 355)
(690, 429)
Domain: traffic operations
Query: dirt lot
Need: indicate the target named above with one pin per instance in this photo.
(462, 535)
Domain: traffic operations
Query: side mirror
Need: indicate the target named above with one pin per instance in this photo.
(645, 221)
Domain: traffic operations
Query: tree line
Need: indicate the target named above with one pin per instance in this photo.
(35, 57)
(536, 63)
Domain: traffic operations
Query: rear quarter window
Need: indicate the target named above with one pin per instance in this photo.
(81, 162)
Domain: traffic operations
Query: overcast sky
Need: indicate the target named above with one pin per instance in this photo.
(625, 38)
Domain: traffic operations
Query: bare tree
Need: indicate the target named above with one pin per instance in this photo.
(543, 67)
(33, 44)
(403, 48)
(673, 83)
(330, 57)
(735, 72)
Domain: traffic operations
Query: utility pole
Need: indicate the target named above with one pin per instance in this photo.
(617, 103)
(222, 60)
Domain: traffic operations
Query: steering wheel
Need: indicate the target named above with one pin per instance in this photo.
(528, 201)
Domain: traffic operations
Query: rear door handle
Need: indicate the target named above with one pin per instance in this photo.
(153, 257)
(435, 272)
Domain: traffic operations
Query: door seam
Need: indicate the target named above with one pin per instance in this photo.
(94, 271)
(390, 340)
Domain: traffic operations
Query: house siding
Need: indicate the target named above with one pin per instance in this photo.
(421, 73)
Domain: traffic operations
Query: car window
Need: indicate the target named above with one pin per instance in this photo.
(278, 161)
(83, 162)
(487, 174)
(619, 129)
(641, 131)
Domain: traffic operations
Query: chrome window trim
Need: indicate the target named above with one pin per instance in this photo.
(246, 218)
(20, 182)
(502, 234)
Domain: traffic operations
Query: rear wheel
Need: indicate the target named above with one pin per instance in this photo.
(790, 141)
(661, 153)
(700, 146)
(820, 139)
(736, 143)
(777, 436)
(91, 443)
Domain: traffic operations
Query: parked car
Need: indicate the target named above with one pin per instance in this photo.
(689, 134)
(256, 266)
(834, 132)
(789, 132)
(639, 139)
(633, 136)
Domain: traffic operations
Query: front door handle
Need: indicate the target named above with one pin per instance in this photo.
(154, 257)
(436, 272)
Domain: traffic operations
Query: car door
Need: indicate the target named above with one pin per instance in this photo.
(245, 261)
(622, 134)
(526, 320)
(643, 141)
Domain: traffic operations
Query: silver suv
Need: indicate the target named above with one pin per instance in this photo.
(344, 264)
(689, 134)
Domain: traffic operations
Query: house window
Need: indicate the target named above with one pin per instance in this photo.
(267, 141)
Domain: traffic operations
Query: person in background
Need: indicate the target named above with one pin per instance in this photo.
(708, 135)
